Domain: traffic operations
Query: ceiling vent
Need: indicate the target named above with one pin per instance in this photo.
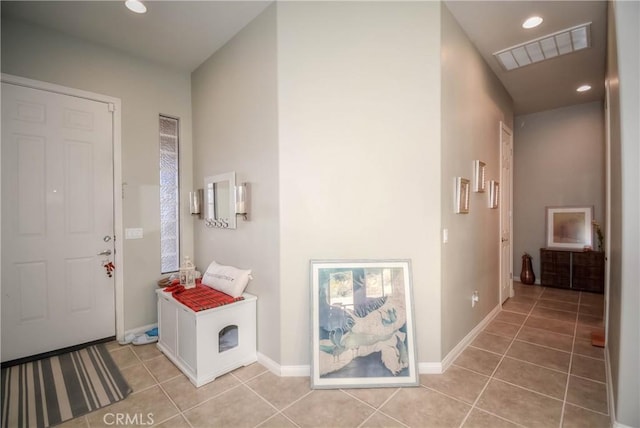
(546, 47)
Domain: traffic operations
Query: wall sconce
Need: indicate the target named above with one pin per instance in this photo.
(195, 202)
(242, 200)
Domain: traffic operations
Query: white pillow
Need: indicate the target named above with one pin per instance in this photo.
(228, 279)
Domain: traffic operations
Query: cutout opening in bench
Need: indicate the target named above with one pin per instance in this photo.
(228, 338)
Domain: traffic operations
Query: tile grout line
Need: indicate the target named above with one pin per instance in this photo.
(188, 409)
(515, 359)
(364, 402)
(497, 379)
(500, 417)
(486, 385)
(459, 400)
(240, 383)
(386, 415)
(573, 344)
(588, 378)
(297, 400)
(180, 412)
(273, 416)
(278, 411)
(378, 409)
(158, 383)
(590, 410)
(470, 404)
(531, 343)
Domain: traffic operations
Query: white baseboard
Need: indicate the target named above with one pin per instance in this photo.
(619, 425)
(295, 371)
(429, 368)
(137, 330)
(423, 368)
(612, 403)
(612, 407)
(305, 371)
(283, 371)
(271, 365)
(457, 350)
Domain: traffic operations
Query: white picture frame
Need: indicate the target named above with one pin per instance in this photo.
(362, 324)
(461, 195)
(569, 227)
(494, 194)
(479, 174)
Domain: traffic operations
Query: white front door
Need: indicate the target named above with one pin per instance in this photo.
(506, 177)
(57, 216)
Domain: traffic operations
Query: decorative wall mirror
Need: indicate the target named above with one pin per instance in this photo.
(220, 201)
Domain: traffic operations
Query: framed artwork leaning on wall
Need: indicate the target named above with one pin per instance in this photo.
(362, 326)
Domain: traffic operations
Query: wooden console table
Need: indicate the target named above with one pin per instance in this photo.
(576, 270)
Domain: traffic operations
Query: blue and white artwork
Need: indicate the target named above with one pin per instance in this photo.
(363, 330)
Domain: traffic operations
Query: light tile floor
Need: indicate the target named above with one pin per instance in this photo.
(532, 366)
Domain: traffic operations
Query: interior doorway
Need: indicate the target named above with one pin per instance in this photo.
(506, 212)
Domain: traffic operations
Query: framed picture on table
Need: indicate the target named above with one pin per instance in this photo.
(569, 227)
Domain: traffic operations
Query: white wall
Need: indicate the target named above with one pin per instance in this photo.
(559, 160)
(473, 104)
(146, 90)
(623, 333)
(359, 153)
(235, 128)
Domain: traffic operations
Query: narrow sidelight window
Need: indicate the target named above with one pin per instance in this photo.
(169, 195)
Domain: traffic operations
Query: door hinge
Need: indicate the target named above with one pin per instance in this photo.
(112, 107)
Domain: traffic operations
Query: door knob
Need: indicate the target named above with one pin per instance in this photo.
(105, 253)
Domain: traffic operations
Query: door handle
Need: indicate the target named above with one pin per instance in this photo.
(105, 253)
(504, 239)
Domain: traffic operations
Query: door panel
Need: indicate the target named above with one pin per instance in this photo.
(31, 285)
(57, 205)
(31, 179)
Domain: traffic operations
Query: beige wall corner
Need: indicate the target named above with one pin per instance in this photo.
(235, 128)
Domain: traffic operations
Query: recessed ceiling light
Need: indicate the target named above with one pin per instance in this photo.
(583, 88)
(135, 6)
(532, 22)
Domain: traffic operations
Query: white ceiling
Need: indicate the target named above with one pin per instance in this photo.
(178, 34)
(183, 34)
(496, 25)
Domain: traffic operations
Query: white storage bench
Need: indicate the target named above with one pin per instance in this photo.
(209, 343)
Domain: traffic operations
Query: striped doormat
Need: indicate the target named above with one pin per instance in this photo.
(52, 390)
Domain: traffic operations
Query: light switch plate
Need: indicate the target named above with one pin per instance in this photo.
(133, 233)
(445, 236)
